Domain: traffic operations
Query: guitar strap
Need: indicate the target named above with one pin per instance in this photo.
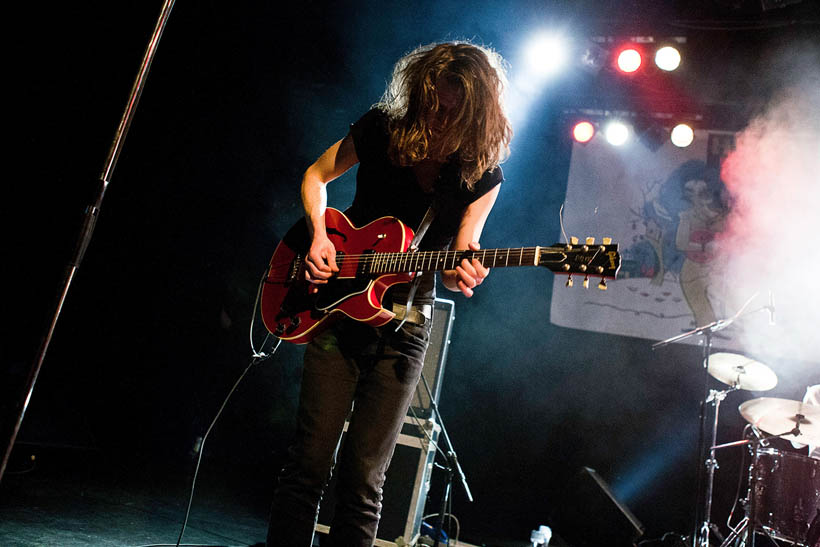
(414, 246)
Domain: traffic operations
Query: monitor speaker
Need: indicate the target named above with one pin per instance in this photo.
(435, 358)
(594, 517)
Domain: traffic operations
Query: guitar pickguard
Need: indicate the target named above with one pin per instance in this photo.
(338, 290)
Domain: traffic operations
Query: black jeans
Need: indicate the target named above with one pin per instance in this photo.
(374, 370)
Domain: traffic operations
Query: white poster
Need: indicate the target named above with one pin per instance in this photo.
(666, 210)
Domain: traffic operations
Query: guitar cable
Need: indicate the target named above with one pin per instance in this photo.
(561, 222)
(255, 353)
(256, 358)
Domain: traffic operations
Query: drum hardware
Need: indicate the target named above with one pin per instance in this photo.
(783, 495)
(715, 397)
(739, 372)
(739, 375)
(799, 420)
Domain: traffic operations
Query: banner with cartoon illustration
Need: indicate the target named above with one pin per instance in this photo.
(666, 210)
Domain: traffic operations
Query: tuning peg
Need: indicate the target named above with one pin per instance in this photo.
(590, 241)
(607, 241)
(602, 284)
(569, 282)
(573, 240)
(586, 282)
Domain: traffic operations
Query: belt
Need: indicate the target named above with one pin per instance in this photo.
(418, 315)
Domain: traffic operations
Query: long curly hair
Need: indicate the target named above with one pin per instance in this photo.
(477, 128)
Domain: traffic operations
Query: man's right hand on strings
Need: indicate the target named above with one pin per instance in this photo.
(321, 260)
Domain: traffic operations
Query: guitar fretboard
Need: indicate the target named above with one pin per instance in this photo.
(380, 263)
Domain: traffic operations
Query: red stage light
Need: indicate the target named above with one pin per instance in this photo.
(629, 60)
(583, 132)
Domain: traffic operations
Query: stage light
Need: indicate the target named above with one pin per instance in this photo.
(594, 57)
(682, 135)
(616, 133)
(667, 58)
(547, 54)
(629, 60)
(583, 132)
(650, 134)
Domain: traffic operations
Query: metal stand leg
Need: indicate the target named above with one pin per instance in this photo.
(711, 464)
(736, 533)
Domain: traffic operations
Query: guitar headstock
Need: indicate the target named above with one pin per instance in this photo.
(589, 259)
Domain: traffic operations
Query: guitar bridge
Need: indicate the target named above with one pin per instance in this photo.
(295, 266)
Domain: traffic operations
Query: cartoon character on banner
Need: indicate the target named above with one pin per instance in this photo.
(683, 217)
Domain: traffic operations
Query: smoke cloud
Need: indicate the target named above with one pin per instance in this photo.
(771, 240)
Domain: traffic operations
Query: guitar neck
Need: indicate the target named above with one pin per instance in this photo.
(421, 261)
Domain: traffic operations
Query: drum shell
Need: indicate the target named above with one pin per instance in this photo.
(787, 494)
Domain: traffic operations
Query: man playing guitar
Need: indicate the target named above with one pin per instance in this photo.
(435, 139)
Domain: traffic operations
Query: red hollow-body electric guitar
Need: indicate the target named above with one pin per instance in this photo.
(374, 257)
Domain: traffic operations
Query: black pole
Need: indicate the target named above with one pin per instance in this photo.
(445, 496)
(696, 536)
(87, 230)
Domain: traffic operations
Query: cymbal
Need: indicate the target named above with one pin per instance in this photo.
(776, 416)
(739, 371)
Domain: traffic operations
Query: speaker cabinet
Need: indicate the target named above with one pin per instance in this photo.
(433, 371)
(405, 488)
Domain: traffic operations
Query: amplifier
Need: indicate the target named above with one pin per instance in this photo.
(405, 488)
(433, 371)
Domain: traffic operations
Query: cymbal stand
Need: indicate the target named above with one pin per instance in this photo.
(715, 397)
(706, 331)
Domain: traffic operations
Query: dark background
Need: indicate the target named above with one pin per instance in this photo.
(241, 98)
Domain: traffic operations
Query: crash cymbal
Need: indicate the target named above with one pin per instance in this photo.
(739, 371)
(776, 416)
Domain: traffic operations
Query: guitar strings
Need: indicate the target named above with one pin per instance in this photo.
(528, 252)
(521, 255)
(412, 260)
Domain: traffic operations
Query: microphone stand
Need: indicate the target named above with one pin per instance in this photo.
(453, 466)
(87, 230)
(700, 536)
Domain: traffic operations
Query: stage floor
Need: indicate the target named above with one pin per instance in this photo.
(67, 498)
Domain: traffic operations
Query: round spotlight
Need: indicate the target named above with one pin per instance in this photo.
(629, 60)
(547, 54)
(667, 58)
(616, 133)
(583, 132)
(682, 135)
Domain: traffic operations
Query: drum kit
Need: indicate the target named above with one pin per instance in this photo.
(783, 495)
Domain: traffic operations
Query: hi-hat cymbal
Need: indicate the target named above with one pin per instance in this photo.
(776, 416)
(739, 371)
